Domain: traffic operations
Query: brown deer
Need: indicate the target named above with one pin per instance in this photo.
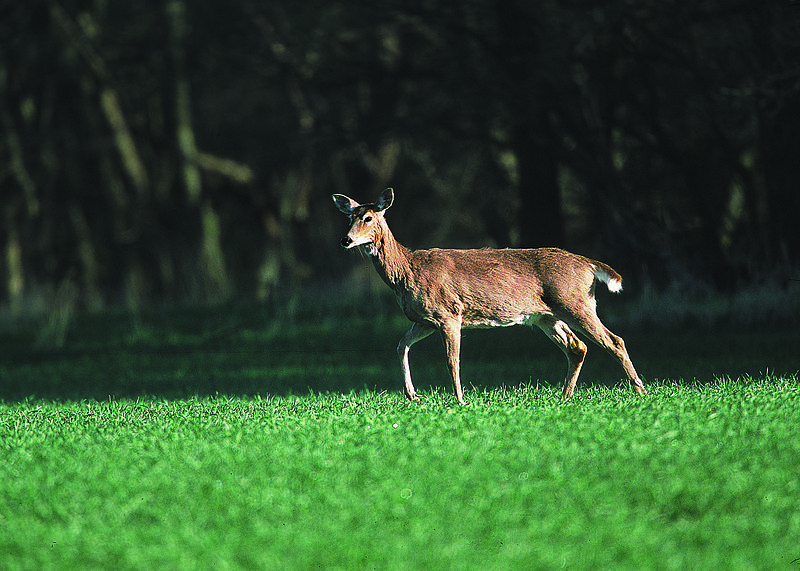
(447, 290)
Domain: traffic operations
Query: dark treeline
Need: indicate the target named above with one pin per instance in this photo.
(175, 150)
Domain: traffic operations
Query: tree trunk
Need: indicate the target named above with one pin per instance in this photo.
(212, 260)
(541, 215)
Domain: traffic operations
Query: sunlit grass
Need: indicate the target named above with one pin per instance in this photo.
(688, 476)
(209, 442)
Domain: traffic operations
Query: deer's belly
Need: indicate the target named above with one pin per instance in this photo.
(485, 323)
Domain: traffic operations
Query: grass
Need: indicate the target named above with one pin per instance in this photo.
(228, 440)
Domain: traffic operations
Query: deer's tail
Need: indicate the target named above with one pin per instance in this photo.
(607, 275)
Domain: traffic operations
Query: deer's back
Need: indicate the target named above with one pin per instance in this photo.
(489, 287)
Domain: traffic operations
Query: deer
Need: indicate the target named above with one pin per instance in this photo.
(447, 290)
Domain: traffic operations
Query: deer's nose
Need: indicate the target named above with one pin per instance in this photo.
(346, 241)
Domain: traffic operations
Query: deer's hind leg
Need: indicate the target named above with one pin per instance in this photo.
(570, 344)
(417, 332)
(590, 323)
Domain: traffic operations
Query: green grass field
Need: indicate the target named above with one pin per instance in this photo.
(231, 439)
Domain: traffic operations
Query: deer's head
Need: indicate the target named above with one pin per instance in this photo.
(366, 221)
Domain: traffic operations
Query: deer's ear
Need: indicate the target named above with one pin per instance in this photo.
(384, 200)
(344, 203)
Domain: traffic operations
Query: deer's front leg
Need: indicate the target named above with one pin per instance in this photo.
(451, 332)
(418, 331)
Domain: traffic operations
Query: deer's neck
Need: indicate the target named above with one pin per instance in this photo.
(391, 259)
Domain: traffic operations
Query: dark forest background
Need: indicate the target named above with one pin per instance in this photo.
(174, 151)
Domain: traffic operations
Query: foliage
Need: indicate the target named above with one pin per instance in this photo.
(185, 151)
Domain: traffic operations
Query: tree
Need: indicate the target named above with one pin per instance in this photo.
(186, 151)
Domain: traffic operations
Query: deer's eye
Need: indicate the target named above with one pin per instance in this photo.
(367, 219)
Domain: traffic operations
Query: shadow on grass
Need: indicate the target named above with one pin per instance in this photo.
(246, 351)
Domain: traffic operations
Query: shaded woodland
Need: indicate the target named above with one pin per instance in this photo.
(186, 151)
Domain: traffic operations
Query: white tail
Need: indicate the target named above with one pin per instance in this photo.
(608, 276)
(447, 290)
